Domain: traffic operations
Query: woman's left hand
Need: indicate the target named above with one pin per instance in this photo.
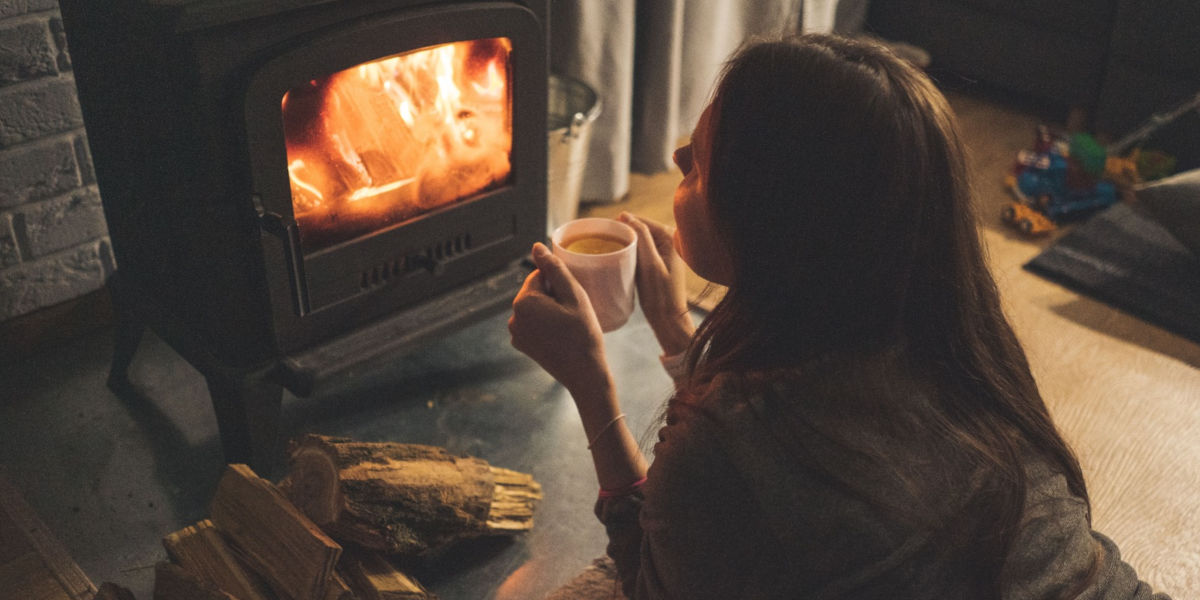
(661, 284)
(554, 324)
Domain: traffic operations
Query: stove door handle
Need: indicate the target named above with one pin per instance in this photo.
(288, 232)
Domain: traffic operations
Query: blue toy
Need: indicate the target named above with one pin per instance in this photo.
(1058, 184)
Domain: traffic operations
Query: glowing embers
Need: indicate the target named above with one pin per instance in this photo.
(391, 139)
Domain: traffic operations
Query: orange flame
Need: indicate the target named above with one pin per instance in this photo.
(396, 137)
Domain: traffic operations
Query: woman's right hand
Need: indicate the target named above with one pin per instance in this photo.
(553, 323)
(662, 284)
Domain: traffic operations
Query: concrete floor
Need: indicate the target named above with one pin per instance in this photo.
(111, 477)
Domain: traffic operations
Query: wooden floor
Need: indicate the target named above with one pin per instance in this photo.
(1125, 393)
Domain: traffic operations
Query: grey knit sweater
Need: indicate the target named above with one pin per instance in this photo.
(749, 497)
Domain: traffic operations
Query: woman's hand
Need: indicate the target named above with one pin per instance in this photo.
(554, 324)
(662, 284)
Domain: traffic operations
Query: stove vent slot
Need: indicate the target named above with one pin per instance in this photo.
(449, 248)
(431, 259)
(381, 273)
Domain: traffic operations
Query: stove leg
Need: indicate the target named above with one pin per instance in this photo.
(129, 331)
(248, 407)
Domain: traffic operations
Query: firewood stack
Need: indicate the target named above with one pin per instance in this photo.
(383, 500)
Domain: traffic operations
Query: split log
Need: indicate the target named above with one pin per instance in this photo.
(373, 577)
(202, 551)
(405, 498)
(111, 591)
(33, 562)
(272, 536)
(339, 589)
(171, 582)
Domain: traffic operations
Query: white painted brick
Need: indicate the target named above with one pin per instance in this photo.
(12, 8)
(63, 58)
(83, 157)
(106, 257)
(38, 109)
(39, 170)
(9, 255)
(26, 51)
(58, 223)
(50, 280)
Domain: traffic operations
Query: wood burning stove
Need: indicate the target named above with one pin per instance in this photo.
(293, 187)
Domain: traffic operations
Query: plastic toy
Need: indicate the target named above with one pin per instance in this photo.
(1026, 219)
(1068, 177)
(1060, 179)
(1123, 171)
(1154, 164)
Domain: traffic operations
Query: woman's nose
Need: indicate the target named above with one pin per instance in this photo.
(683, 158)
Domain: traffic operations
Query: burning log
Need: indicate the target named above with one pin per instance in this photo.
(405, 498)
(390, 139)
(278, 542)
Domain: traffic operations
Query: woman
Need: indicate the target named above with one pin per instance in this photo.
(856, 418)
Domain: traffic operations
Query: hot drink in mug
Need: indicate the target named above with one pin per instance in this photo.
(594, 244)
(602, 255)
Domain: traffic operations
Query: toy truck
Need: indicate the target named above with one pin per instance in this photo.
(1059, 179)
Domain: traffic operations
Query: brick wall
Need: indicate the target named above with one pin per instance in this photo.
(53, 240)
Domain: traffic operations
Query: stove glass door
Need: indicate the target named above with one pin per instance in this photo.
(388, 140)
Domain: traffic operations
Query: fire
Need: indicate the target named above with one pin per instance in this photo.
(393, 138)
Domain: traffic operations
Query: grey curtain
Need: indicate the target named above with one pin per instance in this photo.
(653, 64)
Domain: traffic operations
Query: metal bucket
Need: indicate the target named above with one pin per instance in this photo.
(573, 107)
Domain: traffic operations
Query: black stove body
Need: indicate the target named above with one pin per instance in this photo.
(209, 122)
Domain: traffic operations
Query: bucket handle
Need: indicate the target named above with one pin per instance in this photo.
(576, 126)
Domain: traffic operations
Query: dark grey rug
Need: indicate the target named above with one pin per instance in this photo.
(1124, 258)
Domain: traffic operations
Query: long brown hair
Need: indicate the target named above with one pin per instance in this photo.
(838, 183)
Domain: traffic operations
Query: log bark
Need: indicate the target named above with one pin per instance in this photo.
(272, 536)
(202, 551)
(405, 498)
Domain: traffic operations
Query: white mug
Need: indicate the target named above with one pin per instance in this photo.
(607, 278)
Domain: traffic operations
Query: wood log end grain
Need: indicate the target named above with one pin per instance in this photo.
(312, 481)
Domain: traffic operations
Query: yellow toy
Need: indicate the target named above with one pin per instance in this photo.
(1025, 218)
